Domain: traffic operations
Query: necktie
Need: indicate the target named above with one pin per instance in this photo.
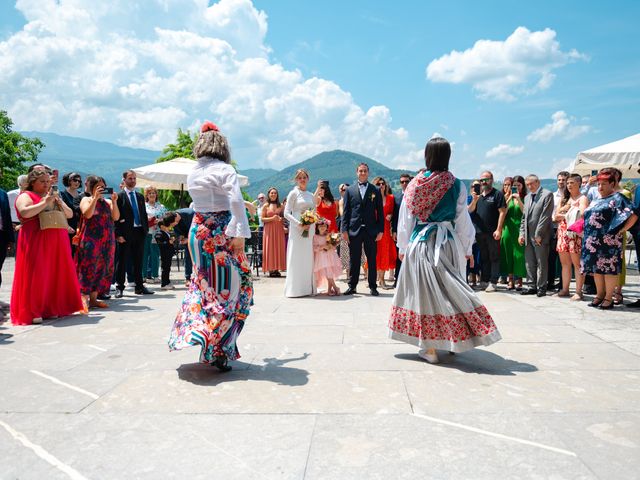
(533, 197)
(134, 207)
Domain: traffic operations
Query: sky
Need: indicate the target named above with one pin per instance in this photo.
(516, 87)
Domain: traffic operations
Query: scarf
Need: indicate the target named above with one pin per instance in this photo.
(424, 193)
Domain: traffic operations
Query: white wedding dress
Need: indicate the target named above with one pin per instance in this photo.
(300, 280)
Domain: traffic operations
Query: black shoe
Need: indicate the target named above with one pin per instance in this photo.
(589, 290)
(374, 292)
(104, 296)
(635, 304)
(144, 291)
(602, 306)
(350, 291)
(541, 293)
(221, 364)
(529, 291)
(119, 293)
(596, 302)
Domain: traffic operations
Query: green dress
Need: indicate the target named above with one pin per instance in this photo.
(511, 252)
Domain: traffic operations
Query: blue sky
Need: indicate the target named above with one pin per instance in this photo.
(290, 78)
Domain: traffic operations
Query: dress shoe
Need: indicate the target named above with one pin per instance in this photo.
(144, 291)
(608, 306)
(119, 293)
(529, 291)
(350, 291)
(221, 364)
(635, 304)
(541, 293)
(104, 296)
(374, 292)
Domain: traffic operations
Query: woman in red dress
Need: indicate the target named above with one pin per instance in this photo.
(386, 248)
(326, 206)
(45, 284)
(274, 255)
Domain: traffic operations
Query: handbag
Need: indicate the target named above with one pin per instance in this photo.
(573, 219)
(79, 232)
(53, 219)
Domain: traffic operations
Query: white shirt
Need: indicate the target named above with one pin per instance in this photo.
(363, 189)
(13, 194)
(214, 187)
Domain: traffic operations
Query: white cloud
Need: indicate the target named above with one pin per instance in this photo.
(504, 150)
(503, 70)
(558, 165)
(560, 127)
(133, 72)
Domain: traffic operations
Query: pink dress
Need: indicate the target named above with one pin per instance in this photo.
(326, 262)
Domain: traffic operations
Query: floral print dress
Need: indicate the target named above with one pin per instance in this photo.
(602, 241)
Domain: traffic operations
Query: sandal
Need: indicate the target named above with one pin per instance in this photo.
(99, 304)
(596, 302)
(602, 305)
(221, 364)
(562, 293)
(617, 298)
(576, 297)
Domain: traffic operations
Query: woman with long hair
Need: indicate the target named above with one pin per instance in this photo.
(274, 258)
(511, 252)
(386, 248)
(433, 307)
(217, 302)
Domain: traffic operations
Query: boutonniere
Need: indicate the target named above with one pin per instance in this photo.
(373, 196)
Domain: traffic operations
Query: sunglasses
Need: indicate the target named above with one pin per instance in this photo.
(379, 184)
(404, 181)
(76, 180)
(485, 180)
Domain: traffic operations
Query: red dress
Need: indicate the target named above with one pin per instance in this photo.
(386, 248)
(330, 213)
(45, 283)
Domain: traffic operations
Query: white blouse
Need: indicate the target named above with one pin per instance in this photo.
(464, 228)
(214, 187)
(297, 202)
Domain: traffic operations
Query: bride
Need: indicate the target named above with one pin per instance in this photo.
(300, 279)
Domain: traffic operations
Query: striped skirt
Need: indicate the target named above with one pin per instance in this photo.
(217, 302)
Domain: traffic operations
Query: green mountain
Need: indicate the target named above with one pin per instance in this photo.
(337, 166)
(90, 156)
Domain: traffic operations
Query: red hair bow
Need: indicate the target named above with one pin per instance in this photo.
(206, 126)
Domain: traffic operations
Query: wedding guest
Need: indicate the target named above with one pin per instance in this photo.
(362, 226)
(220, 294)
(131, 232)
(535, 234)
(326, 264)
(151, 255)
(570, 210)
(326, 206)
(72, 182)
(344, 244)
(511, 252)
(488, 210)
(386, 247)
(622, 278)
(300, 280)
(45, 284)
(274, 256)
(605, 221)
(181, 229)
(635, 233)
(7, 237)
(405, 178)
(165, 242)
(21, 182)
(433, 307)
(96, 242)
(558, 195)
(259, 204)
(473, 266)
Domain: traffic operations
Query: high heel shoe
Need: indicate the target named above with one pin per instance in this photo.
(617, 299)
(602, 305)
(221, 364)
(596, 302)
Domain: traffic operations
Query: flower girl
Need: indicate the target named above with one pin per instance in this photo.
(327, 265)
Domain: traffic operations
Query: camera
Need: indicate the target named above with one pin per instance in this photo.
(594, 173)
(107, 191)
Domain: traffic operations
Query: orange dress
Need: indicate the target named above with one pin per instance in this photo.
(386, 248)
(330, 213)
(274, 256)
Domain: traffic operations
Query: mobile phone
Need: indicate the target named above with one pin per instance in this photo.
(594, 173)
(514, 190)
(54, 189)
(107, 191)
(55, 172)
(476, 189)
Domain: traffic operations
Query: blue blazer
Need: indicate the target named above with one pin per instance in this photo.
(362, 213)
(6, 234)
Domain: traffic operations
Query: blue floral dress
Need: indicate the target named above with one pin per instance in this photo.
(602, 242)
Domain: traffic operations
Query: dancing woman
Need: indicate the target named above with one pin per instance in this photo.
(433, 307)
(219, 295)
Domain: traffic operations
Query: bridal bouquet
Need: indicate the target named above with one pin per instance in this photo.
(333, 239)
(308, 217)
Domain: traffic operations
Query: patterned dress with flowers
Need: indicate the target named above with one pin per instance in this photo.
(602, 241)
(219, 296)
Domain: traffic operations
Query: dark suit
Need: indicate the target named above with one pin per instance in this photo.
(363, 220)
(397, 201)
(133, 247)
(6, 234)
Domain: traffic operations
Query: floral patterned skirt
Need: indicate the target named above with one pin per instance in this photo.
(220, 293)
(433, 306)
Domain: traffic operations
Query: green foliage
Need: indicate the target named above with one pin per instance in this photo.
(16, 151)
(182, 148)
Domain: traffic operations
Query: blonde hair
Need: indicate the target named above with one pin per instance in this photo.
(300, 171)
(33, 176)
(147, 190)
(212, 144)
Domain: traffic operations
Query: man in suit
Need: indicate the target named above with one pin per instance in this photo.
(362, 225)
(535, 235)
(6, 228)
(131, 231)
(405, 178)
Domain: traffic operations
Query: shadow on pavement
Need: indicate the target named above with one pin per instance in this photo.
(477, 361)
(273, 371)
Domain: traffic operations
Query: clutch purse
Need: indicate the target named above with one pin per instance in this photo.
(52, 219)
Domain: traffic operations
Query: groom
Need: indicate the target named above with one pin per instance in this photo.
(362, 224)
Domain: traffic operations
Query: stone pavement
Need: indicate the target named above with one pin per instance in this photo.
(321, 393)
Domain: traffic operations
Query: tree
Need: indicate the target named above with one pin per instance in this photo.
(16, 151)
(182, 148)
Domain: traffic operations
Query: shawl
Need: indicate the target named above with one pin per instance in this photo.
(424, 193)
